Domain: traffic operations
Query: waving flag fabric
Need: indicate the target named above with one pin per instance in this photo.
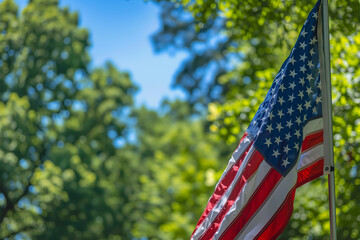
(281, 150)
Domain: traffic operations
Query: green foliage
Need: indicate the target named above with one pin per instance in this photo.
(35, 62)
(262, 32)
(61, 175)
(94, 204)
(224, 33)
(68, 169)
(182, 168)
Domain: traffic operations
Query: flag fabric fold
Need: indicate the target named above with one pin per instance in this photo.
(281, 150)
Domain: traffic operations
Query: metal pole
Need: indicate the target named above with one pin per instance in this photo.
(327, 116)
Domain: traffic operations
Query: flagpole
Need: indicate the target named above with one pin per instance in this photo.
(327, 115)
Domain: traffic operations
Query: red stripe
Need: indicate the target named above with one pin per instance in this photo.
(310, 173)
(312, 140)
(280, 219)
(223, 185)
(257, 199)
(249, 170)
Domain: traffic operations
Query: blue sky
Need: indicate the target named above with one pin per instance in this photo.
(120, 32)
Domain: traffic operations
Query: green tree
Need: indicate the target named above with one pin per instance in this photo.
(98, 179)
(64, 172)
(262, 33)
(38, 56)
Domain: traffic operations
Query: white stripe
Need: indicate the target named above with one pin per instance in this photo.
(310, 156)
(244, 144)
(220, 204)
(313, 126)
(271, 206)
(243, 197)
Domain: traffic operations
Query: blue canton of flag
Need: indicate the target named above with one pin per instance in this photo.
(294, 99)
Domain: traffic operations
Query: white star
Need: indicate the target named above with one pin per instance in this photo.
(271, 115)
(296, 146)
(299, 107)
(302, 81)
(292, 60)
(310, 64)
(315, 15)
(301, 94)
(308, 90)
(279, 127)
(282, 88)
(303, 45)
(314, 110)
(305, 118)
(269, 128)
(303, 33)
(281, 100)
(309, 77)
(285, 162)
(303, 69)
(313, 40)
(303, 57)
(286, 149)
(297, 133)
(278, 140)
(298, 120)
(319, 85)
(268, 142)
(293, 73)
(287, 136)
(307, 104)
(313, 28)
(318, 99)
(291, 97)
(292, 85)
(289, 124)
(290, 111)
(312, 52)
(276, 153)
(280, 113)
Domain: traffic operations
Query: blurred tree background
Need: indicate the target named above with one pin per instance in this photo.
(68, 167)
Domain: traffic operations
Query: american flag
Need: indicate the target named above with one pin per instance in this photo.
(281, 150)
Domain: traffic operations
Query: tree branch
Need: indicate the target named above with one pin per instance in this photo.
(26, 228)
(10, 204)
